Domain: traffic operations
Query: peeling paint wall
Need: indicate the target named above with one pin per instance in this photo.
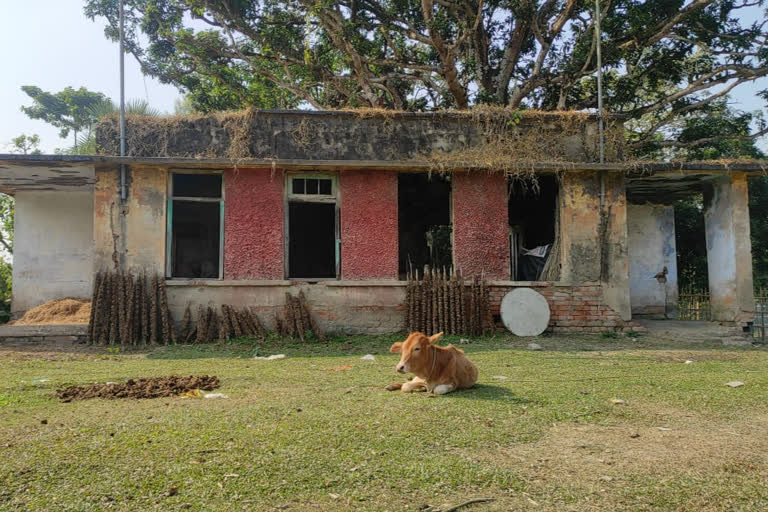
(583, 258)
(130, 236)
(615, 276)
(53, 246)
(579, 225)
(729, 248)
(369, 233)
(651, 248)
(253, 224)
(480, 224)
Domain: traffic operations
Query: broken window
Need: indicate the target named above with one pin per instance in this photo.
(532, 208)
(195, 218)
(424, 221)
(313, 240)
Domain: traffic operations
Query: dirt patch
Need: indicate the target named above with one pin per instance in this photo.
(69, 310)
(156, 387)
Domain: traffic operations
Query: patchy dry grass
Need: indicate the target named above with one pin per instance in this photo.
(539, 432)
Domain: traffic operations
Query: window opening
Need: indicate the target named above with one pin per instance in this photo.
(531, 226)
(195, 218)
(313, 241)
(424, 221)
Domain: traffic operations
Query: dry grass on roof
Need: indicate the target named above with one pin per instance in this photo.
(500, 140)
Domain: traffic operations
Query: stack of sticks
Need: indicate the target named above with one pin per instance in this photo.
(442, 301)
(210, 325)
(297, 321)
(130, 310)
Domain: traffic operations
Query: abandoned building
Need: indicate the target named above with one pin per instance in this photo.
(343, 205)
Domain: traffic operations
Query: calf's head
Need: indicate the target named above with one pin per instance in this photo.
(416, 356)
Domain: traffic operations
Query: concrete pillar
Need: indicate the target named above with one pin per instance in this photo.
(729, 248)
(481, 224)
(369, 234)
(584, 259)
(651, 248)
(579, 224)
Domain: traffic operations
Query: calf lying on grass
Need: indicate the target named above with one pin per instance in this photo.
(439, 370)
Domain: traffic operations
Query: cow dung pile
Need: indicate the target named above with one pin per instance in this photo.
(156, 387)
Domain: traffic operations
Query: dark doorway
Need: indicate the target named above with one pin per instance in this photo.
(196, 239)
(312, 240)
(532, 208)
(424, 221)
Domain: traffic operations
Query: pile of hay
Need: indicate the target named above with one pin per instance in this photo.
(69, 310)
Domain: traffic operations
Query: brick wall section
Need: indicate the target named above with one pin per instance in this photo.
(253, 224)
(369, 233)
(573, 308)
(480, 224)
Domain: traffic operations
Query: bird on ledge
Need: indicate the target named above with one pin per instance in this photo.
(661, 277)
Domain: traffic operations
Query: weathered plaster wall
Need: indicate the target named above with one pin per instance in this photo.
(369, 234)
(615, 285)
(729, 248)
(253, 224)
(131, 235)
(579, 225)
(480, 224)
(340, 135)
(583, 258)
(342, 307)
(651, 248)
(53, 246)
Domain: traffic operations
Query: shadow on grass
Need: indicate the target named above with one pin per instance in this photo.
(487, 392)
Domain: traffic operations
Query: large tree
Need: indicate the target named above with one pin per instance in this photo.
(663, 59)
(718, 135)
(70, 109)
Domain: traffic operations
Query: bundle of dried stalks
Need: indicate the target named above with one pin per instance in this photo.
(129, 309)
(437, 303)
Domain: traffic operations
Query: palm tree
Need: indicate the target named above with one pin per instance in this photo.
(86, 143)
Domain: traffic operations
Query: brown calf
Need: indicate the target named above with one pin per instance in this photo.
(438, 370)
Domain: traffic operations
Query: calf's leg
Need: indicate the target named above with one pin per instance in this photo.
(443, 389)
(416, 384)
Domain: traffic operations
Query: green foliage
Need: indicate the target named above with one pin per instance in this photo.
(26, 144)
(6, 250)
(663, 61)
(691, 244)
(68, 110)
(717, 135)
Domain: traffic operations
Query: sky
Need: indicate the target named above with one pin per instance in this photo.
(51, 44)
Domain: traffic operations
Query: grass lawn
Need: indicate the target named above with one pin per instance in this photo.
(539, 432)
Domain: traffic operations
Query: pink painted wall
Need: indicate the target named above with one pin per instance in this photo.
(253, 224)
(480, 224)
(369, 234)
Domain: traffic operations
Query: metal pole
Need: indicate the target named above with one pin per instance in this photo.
(122, 102)
(598, 35)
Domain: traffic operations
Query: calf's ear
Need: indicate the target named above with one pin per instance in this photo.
(396, 348)
(435, 337)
